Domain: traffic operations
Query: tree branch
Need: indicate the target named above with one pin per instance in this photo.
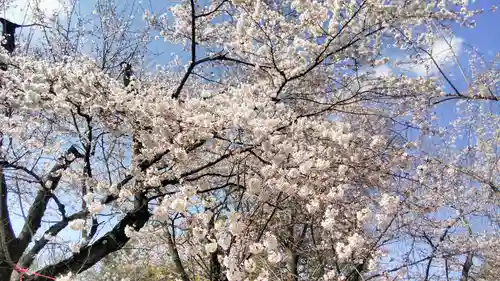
(193, 63)
(6, 231)
(28, 258)
(37, 210)
(179, 268)
(111, 242)
(466, 267)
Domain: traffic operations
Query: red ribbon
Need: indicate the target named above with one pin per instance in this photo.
(22, 271)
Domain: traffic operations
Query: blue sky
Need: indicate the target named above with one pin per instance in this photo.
(487, 34)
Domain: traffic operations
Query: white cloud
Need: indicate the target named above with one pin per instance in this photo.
(444, 52)
(23, 11)
(42, 12)
(383, 70)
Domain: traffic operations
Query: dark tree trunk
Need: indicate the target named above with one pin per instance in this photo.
(5, 270)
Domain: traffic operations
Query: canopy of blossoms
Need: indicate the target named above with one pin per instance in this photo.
(275, 153)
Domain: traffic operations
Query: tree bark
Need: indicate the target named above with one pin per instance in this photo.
(291, 264)
(90, 255)
(37, 209)
(179, 268)
(5, 270)
(466, 267)
(7, 236)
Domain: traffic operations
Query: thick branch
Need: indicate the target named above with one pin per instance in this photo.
(193, 62)
(466, 267)
(37, 210)
(113, 241)
(28, 258)
(34, 219)
(6, 231)
(179, 268)
(24, 169)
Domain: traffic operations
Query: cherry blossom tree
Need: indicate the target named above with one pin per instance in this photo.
(275, 151)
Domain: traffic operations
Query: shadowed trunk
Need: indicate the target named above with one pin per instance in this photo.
(466, 267)
(172, 249)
